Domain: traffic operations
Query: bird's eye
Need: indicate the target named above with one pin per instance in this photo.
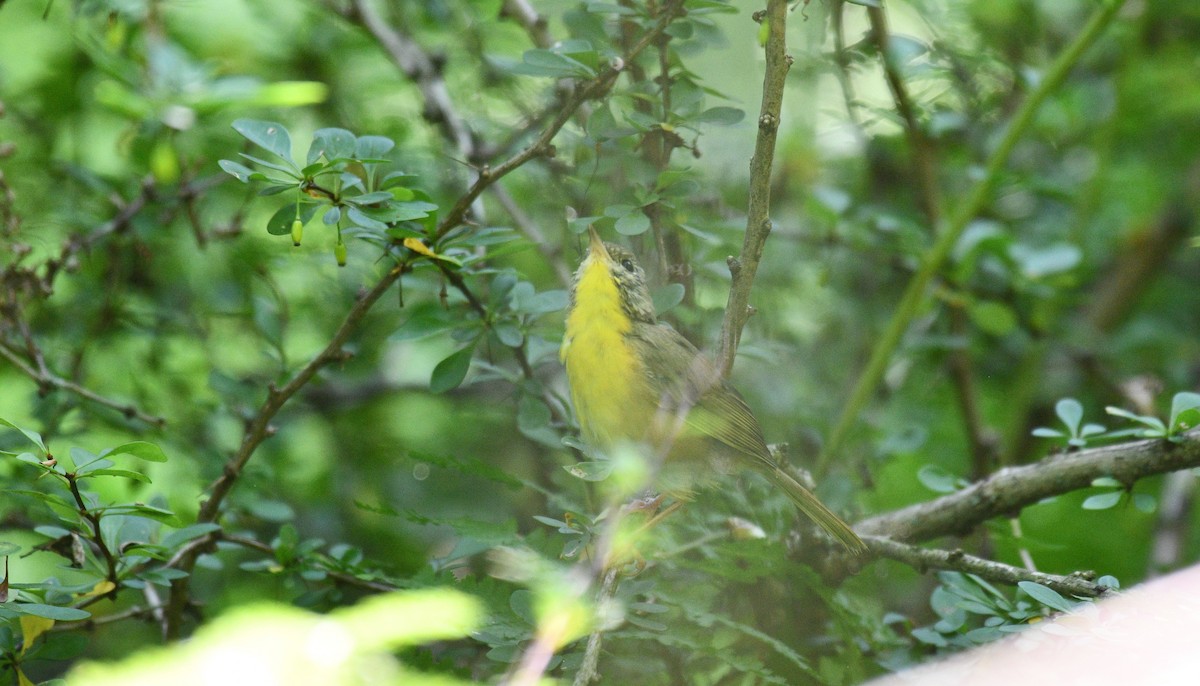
(627, 264)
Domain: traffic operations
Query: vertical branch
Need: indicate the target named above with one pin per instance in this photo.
(924, 155)
(932, 262)
(758, 219)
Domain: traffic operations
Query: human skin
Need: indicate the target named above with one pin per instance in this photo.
(1146, 635)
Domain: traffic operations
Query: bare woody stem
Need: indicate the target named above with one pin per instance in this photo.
(928, 558)
(1011, 489)
(758, 212)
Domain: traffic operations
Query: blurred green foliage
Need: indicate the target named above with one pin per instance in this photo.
(149, 273)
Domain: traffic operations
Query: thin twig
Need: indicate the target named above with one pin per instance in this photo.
(591, 654)
(259, 429)
(924, 154)
(948, 236)
(422, 70)
(758, 212)
(93, 519)
(340, 577)
(47, 378)
(957, 560)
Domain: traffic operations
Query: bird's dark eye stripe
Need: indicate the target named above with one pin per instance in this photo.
(627, 264)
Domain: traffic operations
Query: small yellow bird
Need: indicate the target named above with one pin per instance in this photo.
(634, 379)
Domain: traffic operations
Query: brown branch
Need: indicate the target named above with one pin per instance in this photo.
(927, 558)
(93, 518)
(758, 219)
(422, 70)
(1009, 490)
(45, 379)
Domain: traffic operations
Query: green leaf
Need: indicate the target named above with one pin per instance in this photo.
(667, 297)
(450, 372)
(721, 116)
(372, 147)
(332, 144)
(188, 533)
(633, 224)
(268, 135)
(371, 198)
(32, 435)
(541, 62)
(153, 513)
(139, 449)
(992, 317)
(58, 614)
(590, 471)
(128, 474)
(937, 479)
(1046, 596)
(1103, 501)
(238, 170)
(1181, 403)
(280, 223)
(509, 334)
(1070, 411)
(1037, 263)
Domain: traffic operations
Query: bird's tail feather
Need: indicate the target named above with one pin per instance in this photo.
(815, 510)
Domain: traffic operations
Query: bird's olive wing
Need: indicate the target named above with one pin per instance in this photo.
(685, 381)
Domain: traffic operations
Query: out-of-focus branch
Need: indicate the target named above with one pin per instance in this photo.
(758, 213)
(528, 228)
(423, 71)
(46, 379)
(924, 155)
(957, 560)
(1009, 490)
(948, 235)
(533, 23)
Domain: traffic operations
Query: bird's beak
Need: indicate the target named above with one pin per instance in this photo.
(596, 249)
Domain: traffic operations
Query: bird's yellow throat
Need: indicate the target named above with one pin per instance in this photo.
(601, 364)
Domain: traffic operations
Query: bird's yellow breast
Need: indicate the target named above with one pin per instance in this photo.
(605, 374)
